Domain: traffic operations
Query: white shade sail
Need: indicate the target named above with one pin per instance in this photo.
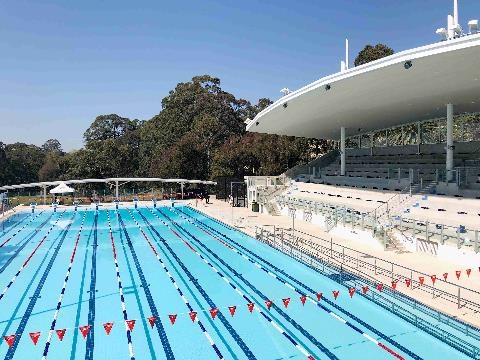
(62, 188)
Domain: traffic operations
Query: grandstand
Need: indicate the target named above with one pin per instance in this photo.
(406, 167)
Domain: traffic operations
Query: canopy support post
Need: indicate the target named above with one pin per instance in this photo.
(450, 146)
(342, 151)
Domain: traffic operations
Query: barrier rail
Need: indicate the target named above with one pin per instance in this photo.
(358, 271)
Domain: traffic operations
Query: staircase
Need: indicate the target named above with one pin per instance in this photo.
(266, 197)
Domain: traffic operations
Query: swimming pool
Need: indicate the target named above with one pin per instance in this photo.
(156, 283)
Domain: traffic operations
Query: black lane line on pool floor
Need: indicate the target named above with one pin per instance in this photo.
(151, 303)
(296, 325)
(80, 301)
(27, 240)
(35, 296)
(90, 342)
(204, 294)
(312, 291)
(179, 291)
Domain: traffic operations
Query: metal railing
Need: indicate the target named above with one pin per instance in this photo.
(360, 269)
(378, 222)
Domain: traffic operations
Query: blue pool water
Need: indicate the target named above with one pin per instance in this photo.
(70, 270)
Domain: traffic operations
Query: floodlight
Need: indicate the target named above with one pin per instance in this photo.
(473, 26)
(407, 65)
(285, 105)
(443, 33)
(328, 87)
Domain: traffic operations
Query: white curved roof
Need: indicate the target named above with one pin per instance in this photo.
(382, 93)
(108, 180)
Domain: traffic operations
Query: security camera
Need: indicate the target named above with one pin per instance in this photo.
(328, 87)
(407, 65)
(285, 105)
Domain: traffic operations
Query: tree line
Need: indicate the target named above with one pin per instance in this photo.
(198, 134)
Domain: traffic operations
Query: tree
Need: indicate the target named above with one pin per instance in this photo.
(110, 127)
(52, 145)
(372, 53)
(199, 105)
(24, 162)
(50, 169)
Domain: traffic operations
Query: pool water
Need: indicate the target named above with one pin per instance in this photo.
(126, 284)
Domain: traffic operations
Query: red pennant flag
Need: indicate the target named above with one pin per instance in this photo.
(445, 275)
(407, 282)
(458, 272)
(433, 277)
(468, 272)
(394, 285)
(269, 304)
(351, 291)
(380, 287)
(365, 289)
(10, 339)
(108, 327)
(232, 310)
(213, 312)
(335, 293)
(303, 298)
(130, 324)
(193, 315)
(421, 279)
(35, 336)
(172, 317)
(286, 301)
(319, 296)
(61, 333)
(250, 307)
(85, 330)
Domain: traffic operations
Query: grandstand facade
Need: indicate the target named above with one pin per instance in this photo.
(407, 164)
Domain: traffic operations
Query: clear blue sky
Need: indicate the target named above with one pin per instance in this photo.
(64, 62)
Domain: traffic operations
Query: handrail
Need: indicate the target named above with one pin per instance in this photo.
(297, 231)
(420, 322)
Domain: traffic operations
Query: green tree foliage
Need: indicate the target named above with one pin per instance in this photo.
(50, 169)
(52, 145)
(24, 162)
(371, 53)
(198, 134)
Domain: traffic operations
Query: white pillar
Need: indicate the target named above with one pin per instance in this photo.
(116, 190)
(419, 136)
(44, 195)
(449, 165)
(342, 151)
(181, 186)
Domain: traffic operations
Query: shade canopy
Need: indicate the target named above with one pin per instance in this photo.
(62, 188)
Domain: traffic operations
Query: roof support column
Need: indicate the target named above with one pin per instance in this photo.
(419, 136)
(116, 190)
(371, 144)
(450, 147)
(181, 186)
(44, 195)
(342, 151)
